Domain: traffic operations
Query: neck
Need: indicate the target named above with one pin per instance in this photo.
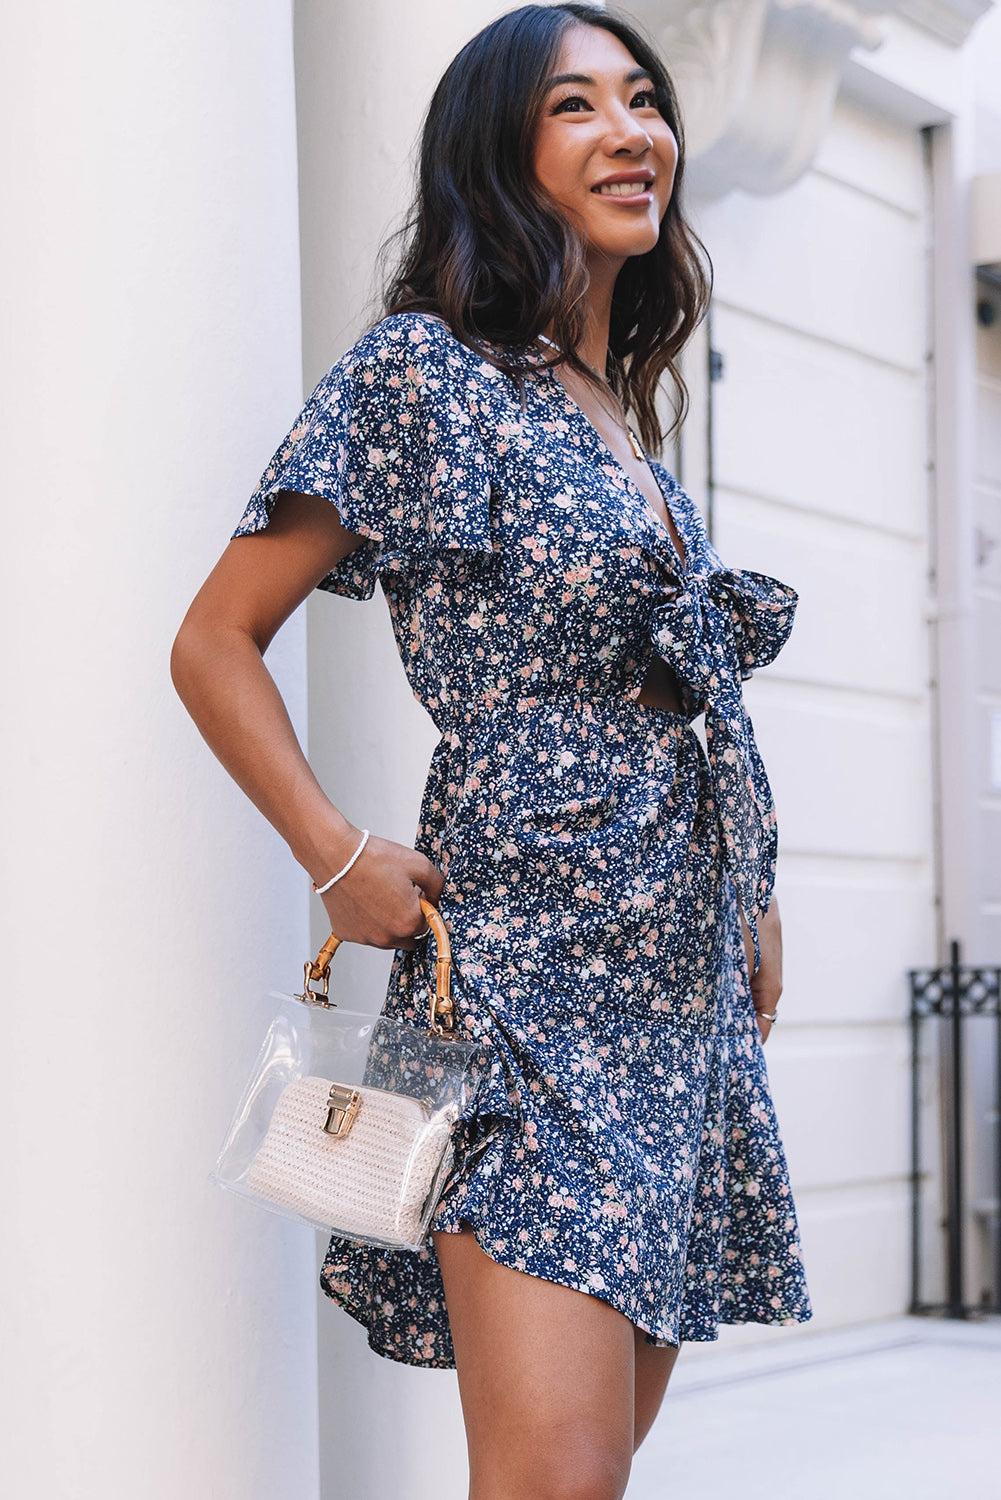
(598, 311)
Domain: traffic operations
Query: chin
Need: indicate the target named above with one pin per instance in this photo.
(624, 249)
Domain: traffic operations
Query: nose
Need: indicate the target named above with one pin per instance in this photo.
(627, 133)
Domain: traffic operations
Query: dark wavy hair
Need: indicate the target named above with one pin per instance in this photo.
(491, 252)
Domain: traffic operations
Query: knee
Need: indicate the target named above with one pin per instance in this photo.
(582, 1471)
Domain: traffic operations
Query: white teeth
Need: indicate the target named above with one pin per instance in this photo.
(623, 189)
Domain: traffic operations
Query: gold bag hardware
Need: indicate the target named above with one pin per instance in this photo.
(343, 1104)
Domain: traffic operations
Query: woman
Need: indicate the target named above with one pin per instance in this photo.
(620, 1183)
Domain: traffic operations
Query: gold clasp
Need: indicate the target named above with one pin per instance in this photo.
(315, 997)
(343, 1103)
(442, 1018)
(319, 969)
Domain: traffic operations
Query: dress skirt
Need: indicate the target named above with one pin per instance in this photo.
(624, 1143)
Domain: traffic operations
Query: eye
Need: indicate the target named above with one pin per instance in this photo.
(568, 99)
(559, 106)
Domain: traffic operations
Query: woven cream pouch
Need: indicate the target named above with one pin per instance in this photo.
(347, 1119)
(371, 1179)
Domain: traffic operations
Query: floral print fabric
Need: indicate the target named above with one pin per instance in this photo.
(594, 855)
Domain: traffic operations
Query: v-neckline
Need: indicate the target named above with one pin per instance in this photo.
(647, 509)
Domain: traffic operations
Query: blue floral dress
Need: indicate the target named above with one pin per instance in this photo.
(594, 854)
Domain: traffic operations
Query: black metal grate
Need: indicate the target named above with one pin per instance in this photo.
(955, 994)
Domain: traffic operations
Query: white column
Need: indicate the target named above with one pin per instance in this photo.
(364, 77)
(954, 336)
(160, 1338)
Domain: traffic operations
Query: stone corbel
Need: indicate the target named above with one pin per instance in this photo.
(757, 80)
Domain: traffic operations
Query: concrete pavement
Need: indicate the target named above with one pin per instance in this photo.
(908, 1407)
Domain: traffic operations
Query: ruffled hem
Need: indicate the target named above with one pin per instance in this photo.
(434, 1350)
(378, 1288)
(477, 1210)
(708, 1333)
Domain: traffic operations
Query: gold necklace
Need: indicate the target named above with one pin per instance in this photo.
(633, 439)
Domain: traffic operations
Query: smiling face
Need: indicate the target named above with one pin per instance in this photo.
(602, 148)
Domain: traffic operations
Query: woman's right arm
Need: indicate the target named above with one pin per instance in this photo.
(217, 667)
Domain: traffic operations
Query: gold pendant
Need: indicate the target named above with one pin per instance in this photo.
(635, 443)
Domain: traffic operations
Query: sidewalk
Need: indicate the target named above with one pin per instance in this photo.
(907, 1408)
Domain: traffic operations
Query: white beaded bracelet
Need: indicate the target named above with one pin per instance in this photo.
(319, 889)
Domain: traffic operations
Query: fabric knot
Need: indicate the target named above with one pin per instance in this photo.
(713, 633)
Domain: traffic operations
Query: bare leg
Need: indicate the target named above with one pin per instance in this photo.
(546, 1379)
(653, 1371)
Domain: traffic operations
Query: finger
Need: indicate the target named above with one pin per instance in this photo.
(421, 924)
(429, 879)
(418, 922)
(415, 939)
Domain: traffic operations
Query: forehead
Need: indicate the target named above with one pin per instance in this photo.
(593, 50)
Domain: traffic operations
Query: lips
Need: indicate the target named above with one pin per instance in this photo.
(636, 181)
(622, 189)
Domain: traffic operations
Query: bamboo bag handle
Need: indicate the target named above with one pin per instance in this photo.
(442, 1016)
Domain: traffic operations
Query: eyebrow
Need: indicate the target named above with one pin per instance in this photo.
(632, 77)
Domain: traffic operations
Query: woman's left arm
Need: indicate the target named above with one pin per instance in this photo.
(766, 986)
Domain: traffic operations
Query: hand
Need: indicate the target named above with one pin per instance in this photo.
(378, 901)
(766, 985)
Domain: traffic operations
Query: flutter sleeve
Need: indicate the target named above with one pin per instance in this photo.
(389, 438)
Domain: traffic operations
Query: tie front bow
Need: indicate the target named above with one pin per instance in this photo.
(713, 633)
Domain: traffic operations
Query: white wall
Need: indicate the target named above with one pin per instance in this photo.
(159, 1336)
(984, 853)
(985, 923)
(385, 1427)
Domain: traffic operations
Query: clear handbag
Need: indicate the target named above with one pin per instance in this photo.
(346, 1122)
